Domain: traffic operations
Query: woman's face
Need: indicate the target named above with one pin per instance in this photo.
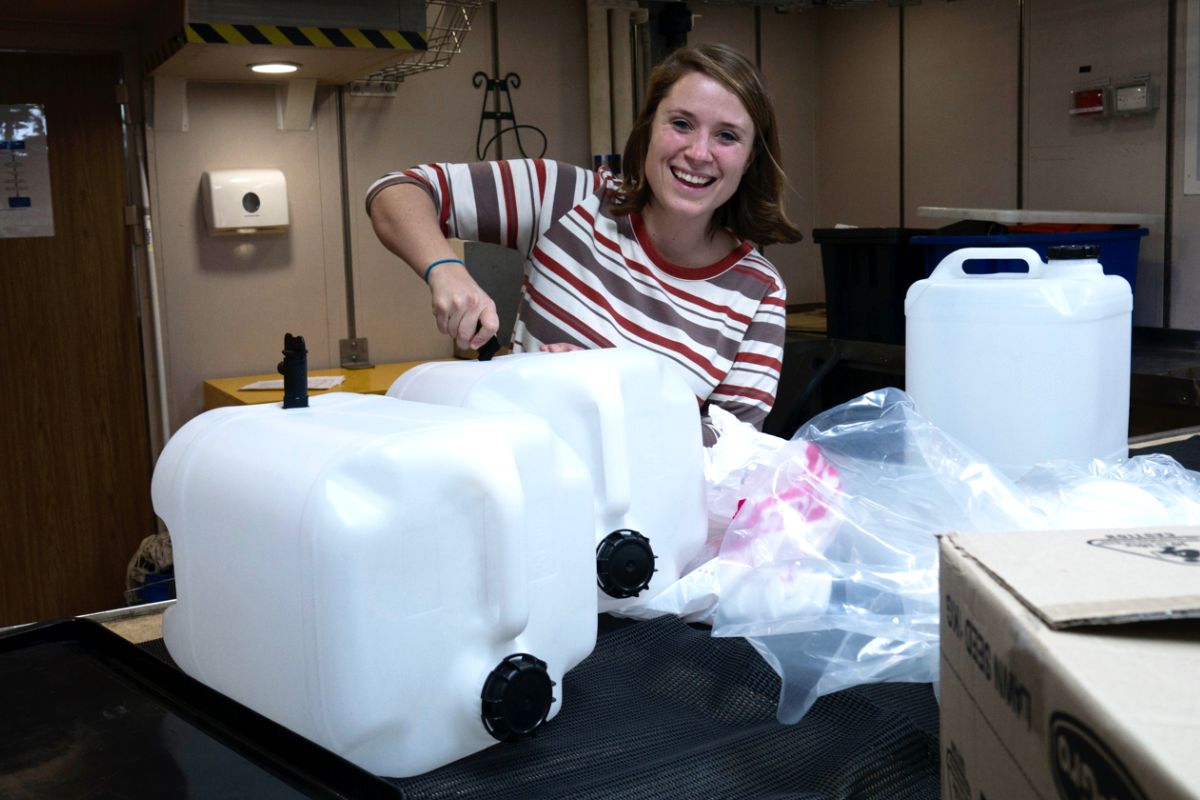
(701, 142)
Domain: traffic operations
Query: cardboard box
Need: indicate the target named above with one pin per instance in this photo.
(1070, 665)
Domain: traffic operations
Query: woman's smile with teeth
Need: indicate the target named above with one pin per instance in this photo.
(694, 180)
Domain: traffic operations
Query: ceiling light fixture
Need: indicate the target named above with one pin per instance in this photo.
(275, 67)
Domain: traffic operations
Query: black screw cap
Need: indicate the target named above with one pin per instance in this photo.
(1064, 252)
(517, 697)
(624, 564)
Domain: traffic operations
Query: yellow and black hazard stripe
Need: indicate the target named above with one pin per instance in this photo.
(217, 33)
(173, 46)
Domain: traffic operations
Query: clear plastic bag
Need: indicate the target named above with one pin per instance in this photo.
(1142, 491)
(822, 551)
(740, 450)
(829, 567)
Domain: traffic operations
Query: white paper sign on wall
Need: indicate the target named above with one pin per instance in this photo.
(25, 208)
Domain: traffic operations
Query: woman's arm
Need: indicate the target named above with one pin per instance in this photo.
(748, 390)
(407, 224)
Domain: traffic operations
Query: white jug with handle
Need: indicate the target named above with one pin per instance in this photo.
(1023, 367)
(636, 426)
(402, 583)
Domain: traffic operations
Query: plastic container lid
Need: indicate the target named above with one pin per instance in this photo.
(624, 564)
(517, 697)
(1073, 251)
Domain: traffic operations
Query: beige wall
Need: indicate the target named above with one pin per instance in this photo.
(434, 117)
(545, 43)
(729, 25)
(1185, 241)
(228, 301)
(1107, 164)
(960, 119)
(789, 63)
(836, 78)
(960, 107)
(858, 117)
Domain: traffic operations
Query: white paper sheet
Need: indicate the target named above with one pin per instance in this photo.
(318, 383)
(25, 208)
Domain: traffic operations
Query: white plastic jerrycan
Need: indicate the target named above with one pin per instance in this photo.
(1023, 367)
(633, 422)
(401, 583)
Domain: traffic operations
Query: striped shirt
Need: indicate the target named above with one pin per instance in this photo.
(595, 280)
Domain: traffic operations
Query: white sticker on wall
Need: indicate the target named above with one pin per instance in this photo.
(25, 208)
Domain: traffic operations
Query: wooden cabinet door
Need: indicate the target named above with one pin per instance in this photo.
(75, 471)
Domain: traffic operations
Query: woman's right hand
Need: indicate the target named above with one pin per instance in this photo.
(461, 307)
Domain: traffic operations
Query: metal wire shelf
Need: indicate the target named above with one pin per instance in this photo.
(449, 27)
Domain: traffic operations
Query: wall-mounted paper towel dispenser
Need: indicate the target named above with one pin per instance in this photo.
(243, 201)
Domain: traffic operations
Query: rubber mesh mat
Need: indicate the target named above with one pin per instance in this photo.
(660, 710)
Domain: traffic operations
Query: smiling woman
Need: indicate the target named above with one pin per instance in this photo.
(663, 261)
(708, 122)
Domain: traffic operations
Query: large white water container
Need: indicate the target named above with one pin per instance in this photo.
(1023, 367)
(633, 422)
(401, 583)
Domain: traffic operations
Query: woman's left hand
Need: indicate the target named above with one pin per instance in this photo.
(559, 348)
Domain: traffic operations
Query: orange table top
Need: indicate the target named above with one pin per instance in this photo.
(224, 391)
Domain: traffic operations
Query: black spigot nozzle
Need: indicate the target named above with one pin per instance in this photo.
(294, 369)
(488, 348)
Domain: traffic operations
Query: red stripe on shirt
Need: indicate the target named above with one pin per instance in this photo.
(684, 273)
(756, 275)
(744, 391)
(565, 316)
(417, 176)
(640, 269)
(444, 212)
(599, 300)
(510, 202)
(761, 360)
(539, 167)
(687, 297)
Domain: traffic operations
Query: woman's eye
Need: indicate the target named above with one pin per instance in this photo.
(679, 124)
(726, 136)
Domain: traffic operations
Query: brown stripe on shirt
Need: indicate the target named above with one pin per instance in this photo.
(626, 290)
(487, 204)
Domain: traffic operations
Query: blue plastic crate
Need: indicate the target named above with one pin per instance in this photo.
(1118, 250)
(157, 586)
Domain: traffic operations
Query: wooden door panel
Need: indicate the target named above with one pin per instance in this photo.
(75, 477)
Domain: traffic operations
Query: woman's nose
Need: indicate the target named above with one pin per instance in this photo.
(698, 149)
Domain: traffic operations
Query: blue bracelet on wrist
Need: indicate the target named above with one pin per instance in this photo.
(443, 261)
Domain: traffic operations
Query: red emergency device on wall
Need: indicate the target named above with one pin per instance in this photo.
(1090, 102)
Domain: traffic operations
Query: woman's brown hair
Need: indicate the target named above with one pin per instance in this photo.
(755, 212)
